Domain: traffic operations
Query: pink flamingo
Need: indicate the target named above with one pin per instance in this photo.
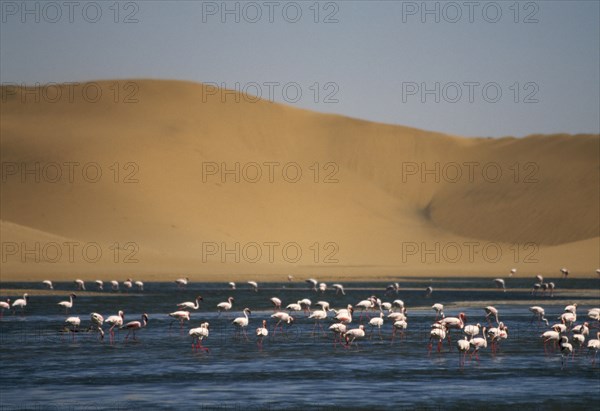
(198, 334)
(134, 326)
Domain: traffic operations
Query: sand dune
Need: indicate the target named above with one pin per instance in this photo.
(372, 200)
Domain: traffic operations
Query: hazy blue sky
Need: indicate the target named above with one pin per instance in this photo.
(370, 60)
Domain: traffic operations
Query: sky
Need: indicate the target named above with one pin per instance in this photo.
(471, 68)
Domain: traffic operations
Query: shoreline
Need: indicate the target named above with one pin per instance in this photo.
(283, 278)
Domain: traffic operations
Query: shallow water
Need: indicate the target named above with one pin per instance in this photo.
(43, 368)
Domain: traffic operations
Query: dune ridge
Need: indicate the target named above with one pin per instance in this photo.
(372, 200)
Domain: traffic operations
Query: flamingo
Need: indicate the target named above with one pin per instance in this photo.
(338, 289)
(242, 322)
(491, 311)
(386, 306)
(322, 287)
(139, 285)
(253, 285)
(439, 310)
(377, 322)
(539, 313)
(594, 314)
(276, 303)
(68, 304)
(74, 322)
(338, 330)
(97, 321)
(114, 285)
(583, 329)
(539, 278)
(198, 334)
(21, 303)
(305, 303)
(594, 345)
(496, 334)
(399, 325)
(4, 305)
(190, 305)
(323, 304)
(181, 316)
(464, 346)
(394, 316)
(500, 284)
(472, 331)
(281, 316)
(535, 288)
(225, 305)
(48, 284)
(134, 326)
(312, 284)
(80, 284)
(564, 272)
(551, 287)
(579, 339)
(559, 327)
(438, 332)
(353, 334)
(290, 278)
(568, 318)
(453, 323)
(344, 315)
(392, 288)
(365, 305)
(294, 307)
(99, 285)
(182, 282)
(428, 291)
(571, 308)
(399, 304)
(513, 271)
(502, 335)
(231, 285)
(318, 315)
(566, 349)
(115, 321)
(261, 333)
(478, 343)
(548, 336)
(128, 284)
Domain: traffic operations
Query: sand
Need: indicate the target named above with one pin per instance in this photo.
(373, 201)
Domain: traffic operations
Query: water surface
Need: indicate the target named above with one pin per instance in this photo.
(43, 368)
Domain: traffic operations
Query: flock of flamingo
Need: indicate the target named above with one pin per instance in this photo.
(471, 338)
